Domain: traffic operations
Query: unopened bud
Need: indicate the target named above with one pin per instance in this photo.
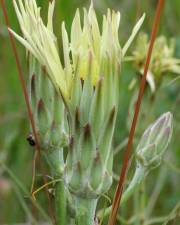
(154, 141)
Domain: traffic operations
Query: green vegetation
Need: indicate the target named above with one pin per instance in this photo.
(157, 198)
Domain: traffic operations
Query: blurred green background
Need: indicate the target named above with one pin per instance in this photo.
(15, 153)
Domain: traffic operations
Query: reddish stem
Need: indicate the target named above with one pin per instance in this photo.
(119, 189)
(30, 114)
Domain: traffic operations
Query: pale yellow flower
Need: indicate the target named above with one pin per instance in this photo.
(88, 50)
(163, 58)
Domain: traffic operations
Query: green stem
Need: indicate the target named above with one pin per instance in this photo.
(85, 211)
(60, 204)
(156, 191)
(139, 175)
(135, 182)
(142, 203)
(136, 207)
(55, 160)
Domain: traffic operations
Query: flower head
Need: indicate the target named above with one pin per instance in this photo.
(88, 48)
(162, 60)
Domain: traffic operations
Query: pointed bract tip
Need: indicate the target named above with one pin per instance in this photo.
(44, 70)
(169, 116)
(71, 143)
(33, 84)
(40, 106)
(78, 165)
(77, 117)
(97, 158)
(113, 111)
(87, 130)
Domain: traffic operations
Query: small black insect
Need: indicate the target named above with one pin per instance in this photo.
(31, 139)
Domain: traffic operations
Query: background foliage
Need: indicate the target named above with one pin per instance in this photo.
(17, 155)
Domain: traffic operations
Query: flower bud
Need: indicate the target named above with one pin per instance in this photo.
(154, 141)
(150, 150)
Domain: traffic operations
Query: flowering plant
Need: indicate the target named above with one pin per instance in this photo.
(76, 105)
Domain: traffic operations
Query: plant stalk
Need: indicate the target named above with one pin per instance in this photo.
(138, 177)
(60, 204)
(134, 184)
(85, 210)
(55, 160)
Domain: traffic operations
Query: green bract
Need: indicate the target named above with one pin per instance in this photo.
(48, 112)
(47, 107)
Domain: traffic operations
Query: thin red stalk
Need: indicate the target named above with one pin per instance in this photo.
(119, 189)
(30, 115)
